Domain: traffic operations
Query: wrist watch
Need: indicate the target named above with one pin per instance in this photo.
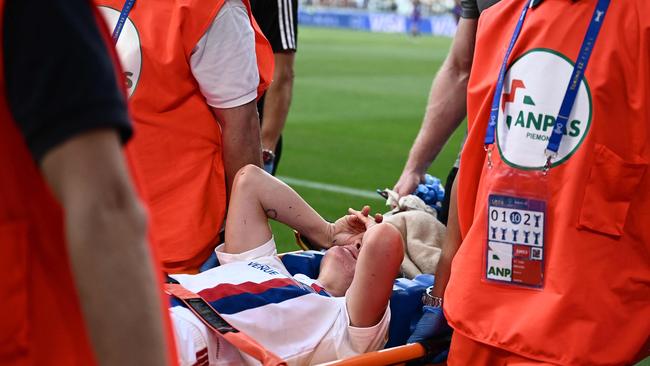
(430, 300)
(267, 156)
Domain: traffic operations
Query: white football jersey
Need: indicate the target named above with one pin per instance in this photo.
(291, 316)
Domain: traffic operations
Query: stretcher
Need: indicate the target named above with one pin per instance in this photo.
(405, 305)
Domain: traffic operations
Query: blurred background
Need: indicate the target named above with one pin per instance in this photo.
(361, 85)
(400, 6)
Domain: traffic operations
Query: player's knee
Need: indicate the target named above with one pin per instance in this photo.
(384, 240)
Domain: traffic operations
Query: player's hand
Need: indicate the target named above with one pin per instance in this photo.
(407, 183)
(350, 228)
(432, 324)
(364, 216)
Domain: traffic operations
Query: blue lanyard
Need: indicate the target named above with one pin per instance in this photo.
(494, 112)
(572, 89)
(124, 14)
(576, 77)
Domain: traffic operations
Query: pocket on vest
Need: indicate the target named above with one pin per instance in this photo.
(610, 189)
(14, 332)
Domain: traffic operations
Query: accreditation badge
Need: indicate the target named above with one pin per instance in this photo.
(515, 239)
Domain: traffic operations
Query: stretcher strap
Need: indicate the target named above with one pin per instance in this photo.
(215, 322)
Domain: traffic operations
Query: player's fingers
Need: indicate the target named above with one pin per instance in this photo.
(365, 210)
(363, 213)
(379, 218)
(359, 216)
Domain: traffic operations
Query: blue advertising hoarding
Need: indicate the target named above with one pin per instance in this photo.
(439, 25)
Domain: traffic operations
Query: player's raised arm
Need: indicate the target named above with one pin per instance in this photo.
(257, 197)
(377, 267)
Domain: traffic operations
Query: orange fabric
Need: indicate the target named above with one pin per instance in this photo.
(40, 315)
(464, 352)
(595, 306)
(177, 151)
(172, 356)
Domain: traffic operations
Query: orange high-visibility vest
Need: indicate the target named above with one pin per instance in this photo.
(177, 151)
(40, 315)
(595, 305)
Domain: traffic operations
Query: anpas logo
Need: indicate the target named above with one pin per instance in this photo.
(128, 47)
(533, 91)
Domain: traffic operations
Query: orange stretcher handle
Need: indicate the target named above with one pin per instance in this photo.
(390, 356)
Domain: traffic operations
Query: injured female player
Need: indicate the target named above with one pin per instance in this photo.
(302, 320)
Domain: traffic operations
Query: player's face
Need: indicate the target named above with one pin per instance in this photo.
(337, 267)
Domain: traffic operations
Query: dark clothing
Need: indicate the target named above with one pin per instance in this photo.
(59, 75)
(471, 9)
(278, 20)
(443, 215)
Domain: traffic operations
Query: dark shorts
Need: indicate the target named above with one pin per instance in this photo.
(278, 20)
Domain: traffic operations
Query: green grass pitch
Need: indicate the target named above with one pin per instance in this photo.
(358, 102)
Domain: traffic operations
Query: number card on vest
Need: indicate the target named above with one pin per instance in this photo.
(515, 236)
(515, 245)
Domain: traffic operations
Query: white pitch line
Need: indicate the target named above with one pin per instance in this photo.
(330, 188)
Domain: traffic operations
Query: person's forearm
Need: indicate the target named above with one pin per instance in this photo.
(445, 111)
(446, 107)
(278, 100)
(241, 138)
(257, 197)
(283, 204)
(116, 283)
(450, 246)
(106, 237)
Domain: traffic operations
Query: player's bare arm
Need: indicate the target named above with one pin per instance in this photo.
(382, 251)
(258, 197)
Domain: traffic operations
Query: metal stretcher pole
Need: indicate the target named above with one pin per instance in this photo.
(398, 355)
(390, 356)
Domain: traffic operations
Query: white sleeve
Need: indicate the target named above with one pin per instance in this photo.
(224, 61)
(267, 249)
(361, 340)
